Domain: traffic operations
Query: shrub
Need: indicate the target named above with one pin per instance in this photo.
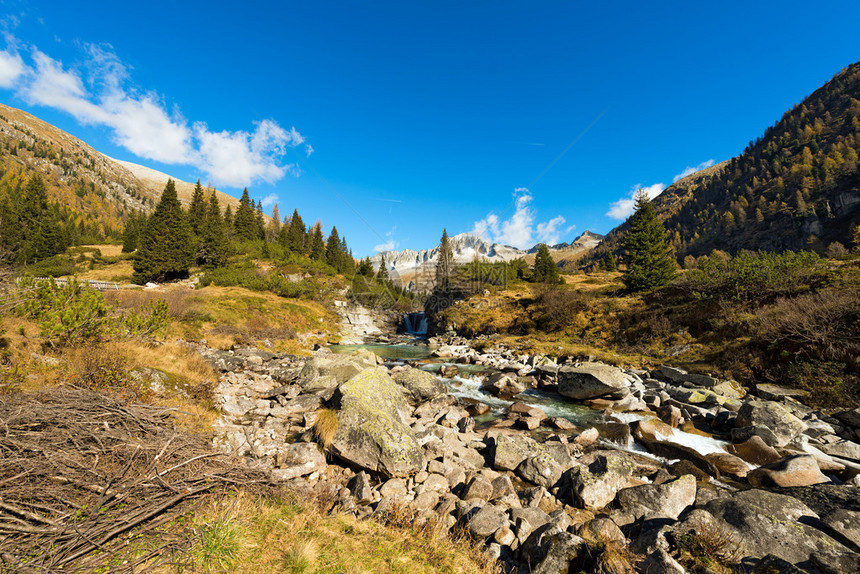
(761, 276)
(558, 308)
(248, 277)
(56, 266)
(102, 368)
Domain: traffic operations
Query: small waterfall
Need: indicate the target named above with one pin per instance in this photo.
(415, 323)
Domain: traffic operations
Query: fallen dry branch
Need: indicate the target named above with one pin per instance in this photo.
(80, 472)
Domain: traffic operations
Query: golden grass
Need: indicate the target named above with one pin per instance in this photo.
(119, 272)
(256, 534)
(325, 427)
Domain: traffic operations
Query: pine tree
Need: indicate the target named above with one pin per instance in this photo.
(261, 222)
(346, 265)
(445, 263)
(295, 240)
(608, 263)
(545, 269)
(649, 258)
(365, 268)
(134, 225)
(317, 243)
(165, 249)
(197, 210)
(214, 244)
(228, 220)
(382, 274)
(245, 220)
(333, 254)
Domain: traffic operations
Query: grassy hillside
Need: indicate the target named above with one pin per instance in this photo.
(795, 187)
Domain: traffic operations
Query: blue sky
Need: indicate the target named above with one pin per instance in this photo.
(522, 121)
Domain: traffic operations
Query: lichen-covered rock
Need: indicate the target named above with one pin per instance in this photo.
(596, 485)
(511, 450)
(590, 380)
(328, 371)
(371, 433)
(419, 386)
(770, 523)
(485, 522)
(651, 501)
(777, 425)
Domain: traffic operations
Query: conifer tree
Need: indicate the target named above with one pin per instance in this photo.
(214, 244)
(608, 264)
(295, 240)
(445, 263)
(245, 221)
(317, 243)
(346, 263)
(228, 221)
(649, 257)
(197, 210)
(261, 221)
(332, 249)
(382, 274)
(545, 269)
(365, 268)
(165, 250)
(133, 227)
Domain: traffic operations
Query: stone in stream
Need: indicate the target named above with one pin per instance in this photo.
(770, 420)
(670, 414)
(503, 386)
(770, 523)
(652, 501)
(449, 371)
(728, 464)
(754, 450)
(590, 380)
(596, 485)
(371, 433)
(419, 386)
(794, 470)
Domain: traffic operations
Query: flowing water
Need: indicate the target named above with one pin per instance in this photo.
(467, 385)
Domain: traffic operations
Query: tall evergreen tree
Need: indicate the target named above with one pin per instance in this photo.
(229, 220)
(608, 263)
(165, 250)
(245, 221)
(382, 274)
(445, 262)
(214, 244)
(317, 243)
(333, 249)
(365, 268)
(261, 221)
(545, 270)
(197, 210)
(275, 228)
(295, 240)
(134, 226)
(648, 256)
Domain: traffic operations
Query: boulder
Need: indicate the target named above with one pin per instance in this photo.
(844, 523)
(542, 468)
(660, 561)
(596, 485)
(590, 380)
(670, 414)
(503, 386)
(652, 501)
(843, 449)
(511, 450)
(359, 486)
(794, 470)
(486, 521)
(770, 523)
(835, 562)
(728, 464)
(479, 488)
(328, 371)
(371, 433)
(299, 459)
(602, 531)
(772, 416)
(754, 450)
(419, 386)
(562, 552)
(651, 430)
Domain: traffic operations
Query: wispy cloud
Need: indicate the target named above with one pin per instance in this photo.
(623, 208)
(520, 230)
(390, 244)
(691, 170)
(270, 200)
(98, 93)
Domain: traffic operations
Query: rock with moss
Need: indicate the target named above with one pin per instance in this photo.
(326, 372)
(595, 485)
(770, 420)
(371, 432)
(419, 386)
(590, 380)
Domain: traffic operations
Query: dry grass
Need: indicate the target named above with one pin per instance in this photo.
(292, 535)
(325, 427)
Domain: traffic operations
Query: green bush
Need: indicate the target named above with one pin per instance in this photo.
(760, 277)
(247, 276)
(56, 266)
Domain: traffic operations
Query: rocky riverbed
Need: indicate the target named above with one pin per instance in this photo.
(556, 467)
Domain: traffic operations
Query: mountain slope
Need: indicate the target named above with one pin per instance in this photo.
(796, 187)
(91, 185)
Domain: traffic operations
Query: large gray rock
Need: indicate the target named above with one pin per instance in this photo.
(562, 552)
(596, 485)
(511, 450)
(371, 433)
(770, 523)
(651, 501)
(776, 423)
(546, 465)
(486, 521)
(846, 523)
(590, 380)
(662, 562)
(328, 371)
(419, 386)
(793, 470)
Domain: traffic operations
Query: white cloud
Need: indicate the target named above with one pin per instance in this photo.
(519, 230)
(142, 123)
(270, 200)
(691, 170)
(623, 208)
(390, 244)
(11, 68)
